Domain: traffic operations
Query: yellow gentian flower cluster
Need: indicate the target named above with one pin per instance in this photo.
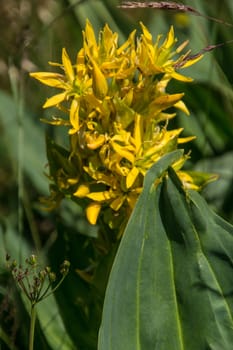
(116, 101)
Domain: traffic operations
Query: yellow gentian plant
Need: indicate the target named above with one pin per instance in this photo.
(117, 111)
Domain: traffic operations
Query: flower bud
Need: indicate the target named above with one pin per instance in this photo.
(52, 277)
(32, 260)
(65, 267)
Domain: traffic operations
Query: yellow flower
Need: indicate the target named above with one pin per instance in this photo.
(118, 112)
(76, 84)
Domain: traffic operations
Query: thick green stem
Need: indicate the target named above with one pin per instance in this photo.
(32, 326)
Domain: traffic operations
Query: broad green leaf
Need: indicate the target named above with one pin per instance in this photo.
(172, 279)
(140, 295)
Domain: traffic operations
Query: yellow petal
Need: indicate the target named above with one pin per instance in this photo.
(189, 62)
(73, 181)
(117, 203)
(128, 98)
(74, 116)
(100, 86)
(108, 42)
(92, 212)
(186, 139)
(55, 100)
(123, 152)
(138, 130)
(95, 142)
(187, 181)
(198, 178)
(129, 42)
(181, 105)
(80, 63)
(67, 65)
(131, 177)
(181, 77)
(51, 79)
(90, 35)
(146, 32)
(82, 191)
(100, 177)
(99, 196)
(170, 40)
(180, 162)
(165, 101)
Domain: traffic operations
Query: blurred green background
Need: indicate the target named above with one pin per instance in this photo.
(33, 33)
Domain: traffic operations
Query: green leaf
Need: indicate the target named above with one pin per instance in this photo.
(171, 285)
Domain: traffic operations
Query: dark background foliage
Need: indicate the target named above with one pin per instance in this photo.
(33, 33)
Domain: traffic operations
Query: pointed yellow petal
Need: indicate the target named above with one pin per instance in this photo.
(117, 203)
(180, 162)
(67, 65)
(198, 178)
(128, 98)
(100, 177)
(191, 61)
(100, 86)
(99, 196)
(123, 152)
(165, 101)
(92, 212)
(170, 40)
(74, 115)
(73, 181)
(186, 139)
(108, 42)
(81, 67)
(181, 105)
(129, 41)
(55, 100)
(51, 79)
(181, 77)
(146, 32)
(95, 142)
(82, 191)
(131, 177)
(138, 130)
(187, 180)
(90, 35)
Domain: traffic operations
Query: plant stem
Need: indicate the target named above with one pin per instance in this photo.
(32, 326)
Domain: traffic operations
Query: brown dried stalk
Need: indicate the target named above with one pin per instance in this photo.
(170, 5)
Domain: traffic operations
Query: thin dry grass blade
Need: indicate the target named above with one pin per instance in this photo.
(170, 5)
